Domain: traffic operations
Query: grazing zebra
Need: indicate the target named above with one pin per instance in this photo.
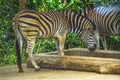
(107, 21)
(29, 25)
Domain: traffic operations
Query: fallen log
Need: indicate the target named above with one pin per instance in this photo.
(101, 65)
(82, 60)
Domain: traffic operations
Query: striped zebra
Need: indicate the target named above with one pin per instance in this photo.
(107, 21)
(29, 25)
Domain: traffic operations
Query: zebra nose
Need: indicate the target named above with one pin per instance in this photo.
(92, 48)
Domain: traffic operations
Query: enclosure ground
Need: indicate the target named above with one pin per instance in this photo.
(10, 73)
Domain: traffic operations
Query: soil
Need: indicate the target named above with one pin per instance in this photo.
(11, 73)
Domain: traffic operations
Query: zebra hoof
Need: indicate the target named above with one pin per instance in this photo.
(21, 70)
(37, 69)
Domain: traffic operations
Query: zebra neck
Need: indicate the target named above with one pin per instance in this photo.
(74, 19)
(76, 30)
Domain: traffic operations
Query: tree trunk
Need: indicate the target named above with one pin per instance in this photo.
(22, 4)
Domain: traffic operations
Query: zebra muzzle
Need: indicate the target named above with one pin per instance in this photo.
(92, 48)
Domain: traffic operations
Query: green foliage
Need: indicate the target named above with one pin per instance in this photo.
(45, 45)
(8, 8)
(106, 2)
(114, 43)
(6, 33)
(73, 40)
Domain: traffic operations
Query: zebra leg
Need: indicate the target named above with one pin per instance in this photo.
(97, 37)
(104, 43)
(57, 44)
(60, 40)
(29, 50)
(18, 53)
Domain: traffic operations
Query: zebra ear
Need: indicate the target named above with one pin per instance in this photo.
(94, 28)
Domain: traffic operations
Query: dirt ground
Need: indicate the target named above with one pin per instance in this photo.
(10, 73)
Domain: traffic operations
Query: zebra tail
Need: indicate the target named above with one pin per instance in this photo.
(18, 43)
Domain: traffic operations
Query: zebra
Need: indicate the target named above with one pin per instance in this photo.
(107, 21)
(29, 25)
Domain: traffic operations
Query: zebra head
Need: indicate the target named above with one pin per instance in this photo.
(89, 39)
